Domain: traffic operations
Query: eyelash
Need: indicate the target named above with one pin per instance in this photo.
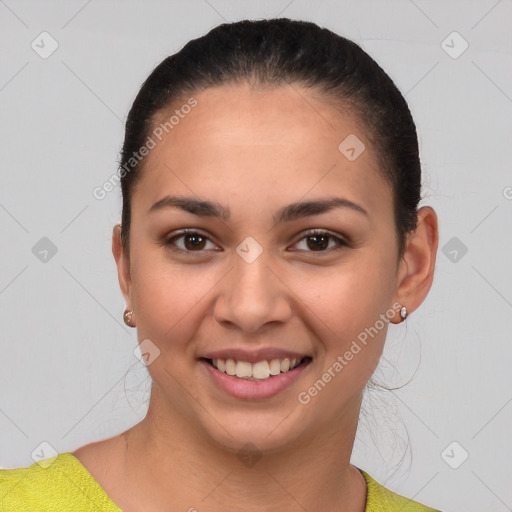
(170, 242)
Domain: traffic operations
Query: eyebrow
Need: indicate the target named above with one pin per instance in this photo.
(288, 213)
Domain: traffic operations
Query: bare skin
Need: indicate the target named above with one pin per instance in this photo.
(254, 153)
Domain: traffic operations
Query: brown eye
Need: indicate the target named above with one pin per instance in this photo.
(188, 241)
(194, 241)
(320, 241)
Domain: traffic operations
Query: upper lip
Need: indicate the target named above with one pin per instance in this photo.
(253, 356)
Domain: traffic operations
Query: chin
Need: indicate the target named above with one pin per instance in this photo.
(255, 431)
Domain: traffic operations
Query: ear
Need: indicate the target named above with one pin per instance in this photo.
(123, 266)
(416, 267)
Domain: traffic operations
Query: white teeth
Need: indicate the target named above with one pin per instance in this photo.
(243, 369)
(230, 367)
(275, 367)
(261, 370)
(294, 363)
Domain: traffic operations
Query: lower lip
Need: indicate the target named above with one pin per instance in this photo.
(252, 389)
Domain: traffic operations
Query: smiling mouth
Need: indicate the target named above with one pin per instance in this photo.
(259, 371)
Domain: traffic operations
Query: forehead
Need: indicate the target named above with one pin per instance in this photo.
(242, 115)
(252, 141)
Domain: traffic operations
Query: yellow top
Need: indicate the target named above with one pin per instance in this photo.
(63, 484)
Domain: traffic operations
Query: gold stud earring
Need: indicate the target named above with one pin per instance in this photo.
(127, 317)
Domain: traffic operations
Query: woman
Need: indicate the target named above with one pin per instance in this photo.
(270, 234)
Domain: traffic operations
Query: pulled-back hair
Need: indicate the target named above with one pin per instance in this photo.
(277, 52)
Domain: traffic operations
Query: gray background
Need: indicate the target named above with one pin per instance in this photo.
(68, 374)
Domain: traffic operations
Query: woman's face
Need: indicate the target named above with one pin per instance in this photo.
(254, 285)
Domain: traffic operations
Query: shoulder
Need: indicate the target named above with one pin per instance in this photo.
(59, 483)
(380, 499)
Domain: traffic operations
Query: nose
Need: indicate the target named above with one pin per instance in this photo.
(252, 297)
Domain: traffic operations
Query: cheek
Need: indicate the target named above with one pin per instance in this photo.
(350, 296)
(351, 313)
(169, 300)
(349, 310)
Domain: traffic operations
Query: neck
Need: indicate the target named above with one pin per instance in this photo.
(175, 464)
